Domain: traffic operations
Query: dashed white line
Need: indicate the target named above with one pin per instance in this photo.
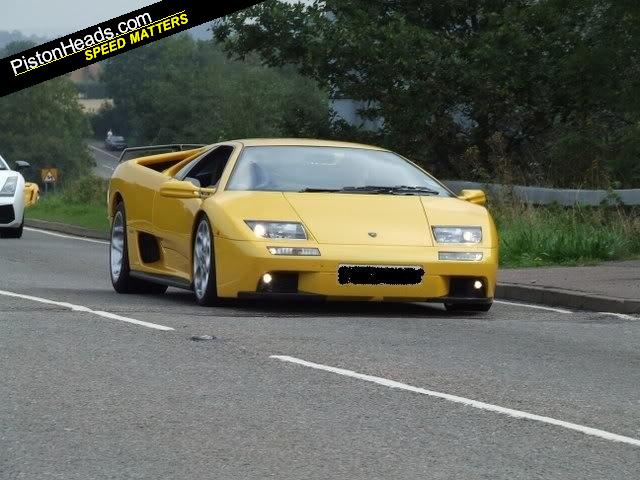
(60, 235)
(464, 401)
(538, 307)
(80, 308)
(107, 167)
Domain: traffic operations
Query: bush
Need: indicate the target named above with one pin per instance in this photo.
(90, 189)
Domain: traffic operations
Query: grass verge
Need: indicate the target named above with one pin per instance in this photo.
(537, 236)
(55, 208)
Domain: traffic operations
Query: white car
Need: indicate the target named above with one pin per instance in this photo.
(11, 199)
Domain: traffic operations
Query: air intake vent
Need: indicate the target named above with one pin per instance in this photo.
(7, 215)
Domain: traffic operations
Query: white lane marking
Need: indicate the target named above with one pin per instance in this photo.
(107, 167)
(104, 151)
(465, 401)
(624, 316)
(53, 234)
(80, 308)
(539, 307)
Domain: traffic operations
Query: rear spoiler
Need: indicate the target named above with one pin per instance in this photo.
(137, 152)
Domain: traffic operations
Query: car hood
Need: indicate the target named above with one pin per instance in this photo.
(361, 219)
(349, 219)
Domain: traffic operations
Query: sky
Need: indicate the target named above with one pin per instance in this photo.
(52, 18)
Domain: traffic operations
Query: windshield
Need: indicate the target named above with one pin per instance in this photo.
(298, 169)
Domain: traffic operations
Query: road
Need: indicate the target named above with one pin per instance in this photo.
(86, 394)
(105, 161)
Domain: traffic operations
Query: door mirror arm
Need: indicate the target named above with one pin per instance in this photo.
(184, 189)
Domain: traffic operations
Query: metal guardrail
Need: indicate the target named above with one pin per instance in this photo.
(547, 196)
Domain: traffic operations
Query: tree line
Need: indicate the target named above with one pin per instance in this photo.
(535, 91)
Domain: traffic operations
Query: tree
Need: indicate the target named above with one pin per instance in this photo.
(182, 90)
(450, 78)
(45, 126)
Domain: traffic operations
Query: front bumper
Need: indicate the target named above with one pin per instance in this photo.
(240, 266)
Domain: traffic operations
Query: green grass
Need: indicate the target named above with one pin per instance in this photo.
(534, 236)
(55, 208)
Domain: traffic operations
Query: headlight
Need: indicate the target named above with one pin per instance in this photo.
(457, 234)
(9, 188)
(277, 230)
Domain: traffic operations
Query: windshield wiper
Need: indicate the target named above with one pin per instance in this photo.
(405, 188)
(375, 189)
(319, 190)
(368, 189)
(395, 190)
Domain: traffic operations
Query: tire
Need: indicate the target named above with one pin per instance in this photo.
(203, 265)
(468, 307)
(13, 232)
(119, 270)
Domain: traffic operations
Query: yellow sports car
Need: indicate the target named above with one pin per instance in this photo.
(284, 218)
(31, 194)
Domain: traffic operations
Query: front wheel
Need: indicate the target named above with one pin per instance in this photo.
(204, 269)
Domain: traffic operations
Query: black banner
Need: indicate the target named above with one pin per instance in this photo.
(108, 39)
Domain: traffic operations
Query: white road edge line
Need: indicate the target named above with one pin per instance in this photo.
(539, 307)
(104, 151)
(464, 401)
(620, 315)
(53, 234)
(80, 308)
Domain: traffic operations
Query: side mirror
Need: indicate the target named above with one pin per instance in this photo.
(180, 189)
(20, 165)
(473, 196)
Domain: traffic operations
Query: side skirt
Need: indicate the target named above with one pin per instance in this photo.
(168, 280)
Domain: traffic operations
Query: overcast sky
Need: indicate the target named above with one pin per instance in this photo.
(59, 17)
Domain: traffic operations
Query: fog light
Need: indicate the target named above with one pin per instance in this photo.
(477, 285)
(267, 279)
(460, 256)
(294, 251)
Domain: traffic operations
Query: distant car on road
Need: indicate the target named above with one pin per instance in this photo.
(286, 218)
(115, 142)
(12, 199)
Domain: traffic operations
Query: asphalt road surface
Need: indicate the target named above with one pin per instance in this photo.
(105, 161)
(96, 386)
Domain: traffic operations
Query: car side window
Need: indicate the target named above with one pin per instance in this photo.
(207, 169)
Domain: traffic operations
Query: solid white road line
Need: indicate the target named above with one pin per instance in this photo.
(465, 401)
(80, 308)
(538, 307)
(54, 234)
(104, 151)
(624, 316)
